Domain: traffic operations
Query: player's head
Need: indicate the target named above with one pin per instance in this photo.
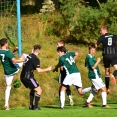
(61, 50)
(36, 49)
(92, 49)
(3, 42)
(103, 30)
(60, 43)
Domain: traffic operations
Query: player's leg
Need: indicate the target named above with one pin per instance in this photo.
(89, 99)
(9, 80)
(33, 84)
(104, 97)
(107, 79)
(37, 97)
(68, 91)
(106, 61)
(32, 95)
(19, 65)
(85, 90)
(62, 96)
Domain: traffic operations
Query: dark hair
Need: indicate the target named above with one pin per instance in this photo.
(3, 41)
(92, 46)
(62, 42)
(36, 46)
(61, 49)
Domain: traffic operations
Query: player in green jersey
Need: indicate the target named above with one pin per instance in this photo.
(8, 61)
(63, 75)
(73, 77)
(94, 75)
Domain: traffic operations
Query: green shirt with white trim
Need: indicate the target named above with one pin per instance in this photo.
(68, 62)
(89, 63)
(6, 57)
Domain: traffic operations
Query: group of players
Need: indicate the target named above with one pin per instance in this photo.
(69, 73)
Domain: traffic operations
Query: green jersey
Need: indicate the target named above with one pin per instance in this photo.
(67, 61)
(6, 60)
(89, 63)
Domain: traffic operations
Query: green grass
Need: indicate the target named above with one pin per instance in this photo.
(69, 111)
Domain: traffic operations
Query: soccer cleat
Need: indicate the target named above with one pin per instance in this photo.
(36, 108)
(88, 105)
(61, 108)
(113, 78)
(106, 106)
(108, 91)
(7, 107)
(31, 107)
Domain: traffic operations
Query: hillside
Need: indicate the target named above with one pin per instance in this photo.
(32, 33)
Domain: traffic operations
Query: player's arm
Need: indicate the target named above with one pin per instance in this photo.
(15, 50)
(44, 70)
(14, 60)
(76, 55)
(56, 68)
(96, 64)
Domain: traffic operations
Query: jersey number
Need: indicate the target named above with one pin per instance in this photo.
(2, 55)
(70, 60)
(109, 41)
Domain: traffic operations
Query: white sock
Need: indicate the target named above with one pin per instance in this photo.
(7, 95)
(70, 98)
(85, 90)
(62, 98)
(104, 98)
(92, 94)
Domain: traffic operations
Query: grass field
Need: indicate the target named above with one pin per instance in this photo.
(69, 111)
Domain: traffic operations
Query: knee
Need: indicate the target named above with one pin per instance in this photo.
(104, 89)
(39, 91)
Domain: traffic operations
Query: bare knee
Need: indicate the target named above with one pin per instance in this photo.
(80, 91)
(38, 90)
(104, 89)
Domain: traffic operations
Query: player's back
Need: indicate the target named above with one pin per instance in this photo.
(30, 64)
(6, 59)
(108, 43)
(69, 63)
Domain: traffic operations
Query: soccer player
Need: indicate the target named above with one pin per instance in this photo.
(94, 75)
(73, 77)
(109, 54)
(9, 64)
(63, 75)
(32, 63)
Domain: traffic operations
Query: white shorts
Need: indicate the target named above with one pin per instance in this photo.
(9, 79)
(73, 79)
(98, 83)
(19, 65)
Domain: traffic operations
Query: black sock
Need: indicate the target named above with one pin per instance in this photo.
(37, 98)
(68, 91)
(32, 92)
(115, 73)
(107, 80)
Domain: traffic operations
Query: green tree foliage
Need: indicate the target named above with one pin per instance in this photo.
(83, 21)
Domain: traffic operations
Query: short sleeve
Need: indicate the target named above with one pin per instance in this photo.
(10, 55)
(99, 40)
(60, 62)
(72, 53)
(36, 63)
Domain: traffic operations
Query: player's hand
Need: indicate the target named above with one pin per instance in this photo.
(98, 59)
(55, 70)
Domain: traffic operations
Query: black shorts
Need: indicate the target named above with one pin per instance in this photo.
(110, 59)
(62, 76)
(29, 83)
